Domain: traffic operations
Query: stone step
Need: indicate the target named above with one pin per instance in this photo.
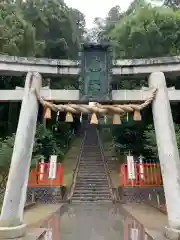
(89, 166)
(92, 190)
(94, 159)
(95, 171)
(95, 148)
(92, 163)
(91, 184)
(89, 199)
(92, 171)
(92, 201)
(93, 180)
(93, 175)
(85, 195)
(99, 191)
(82, 171)
(90, 145)
(91, 152)
(90, 177)
(98, 188)
(93, 198)
(90, 156)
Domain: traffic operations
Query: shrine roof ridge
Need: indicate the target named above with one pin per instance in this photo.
(146, 61)
(76, 63)
(39, 61)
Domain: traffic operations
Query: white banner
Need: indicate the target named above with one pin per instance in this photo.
(134, 233)
(141, 167)
(49, 235)
(131, 167)
(53, 166)
(42, 170)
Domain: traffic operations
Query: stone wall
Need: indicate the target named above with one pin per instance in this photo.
(45, 194)
(151, 195)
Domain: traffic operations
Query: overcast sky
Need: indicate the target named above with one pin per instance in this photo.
(96, 8)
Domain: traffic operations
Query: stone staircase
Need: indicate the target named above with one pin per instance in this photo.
(91, 181)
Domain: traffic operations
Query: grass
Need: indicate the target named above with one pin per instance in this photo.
(112, 162)
(115, 177)
(113, 165)
(70, 162)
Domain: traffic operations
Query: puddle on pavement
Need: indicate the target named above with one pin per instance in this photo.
(93, 222)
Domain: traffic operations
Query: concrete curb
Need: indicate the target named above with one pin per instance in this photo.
(29, 205)
(13, 232)
(39, 223)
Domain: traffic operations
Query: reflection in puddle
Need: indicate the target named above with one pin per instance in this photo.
(93, 222)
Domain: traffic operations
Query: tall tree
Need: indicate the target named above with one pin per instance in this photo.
(59, 26)
(172, 3)
(37, 28)
(143, 31)
(135, 35)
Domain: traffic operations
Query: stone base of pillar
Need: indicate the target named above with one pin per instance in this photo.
(172, 234)
(12, 232)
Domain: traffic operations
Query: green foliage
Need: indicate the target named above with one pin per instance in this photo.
(175, 4)
(17, 35)
(143, 31)
(55, 141)
(42, 28)
(148, 32)
(52, 29)
(37, 28)
(128, 137)
(6, 149)
(150, 140)
(46, 144)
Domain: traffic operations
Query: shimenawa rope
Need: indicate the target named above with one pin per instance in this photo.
(116, 110)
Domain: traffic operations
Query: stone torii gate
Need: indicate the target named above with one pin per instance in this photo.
(11, 219)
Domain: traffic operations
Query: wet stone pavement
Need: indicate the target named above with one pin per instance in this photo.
(93, 222)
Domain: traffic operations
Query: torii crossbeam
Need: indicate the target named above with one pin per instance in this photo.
(122, 96)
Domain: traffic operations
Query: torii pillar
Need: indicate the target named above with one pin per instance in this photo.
(168, 153)
(11, 219)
